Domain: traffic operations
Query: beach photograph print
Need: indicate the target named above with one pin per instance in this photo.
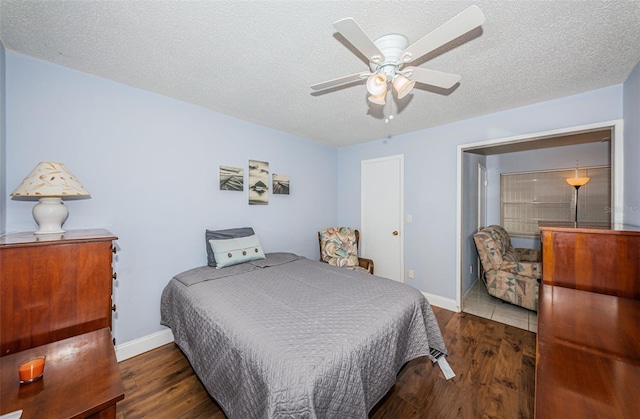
(231, 178)
(280, 184)
(258, 182)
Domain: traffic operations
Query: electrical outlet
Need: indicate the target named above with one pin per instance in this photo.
(409, 218)
(470, 269)
(412, 274)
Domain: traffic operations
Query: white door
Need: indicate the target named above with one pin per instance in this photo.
(382, 207)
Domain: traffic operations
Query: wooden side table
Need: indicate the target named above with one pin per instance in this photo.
(81, 379)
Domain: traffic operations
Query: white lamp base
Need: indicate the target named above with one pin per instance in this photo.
(50, 213)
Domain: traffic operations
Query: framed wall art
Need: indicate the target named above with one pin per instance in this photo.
(258, 182)
(231, 178)
(280, 184)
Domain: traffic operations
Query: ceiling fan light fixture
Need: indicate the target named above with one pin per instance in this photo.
(378, 99)
(377, 84)
(402, 85)
(388, 54)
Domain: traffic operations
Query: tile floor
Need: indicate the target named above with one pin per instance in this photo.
(478, 302)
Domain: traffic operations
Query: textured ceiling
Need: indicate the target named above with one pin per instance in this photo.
(255, 60)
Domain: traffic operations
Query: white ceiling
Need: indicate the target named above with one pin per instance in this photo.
(255, 60)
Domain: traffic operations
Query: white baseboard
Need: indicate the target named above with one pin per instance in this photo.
(141, 345)
(446, 303)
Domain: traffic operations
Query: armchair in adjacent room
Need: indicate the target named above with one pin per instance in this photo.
(511, 274)
(339, 247)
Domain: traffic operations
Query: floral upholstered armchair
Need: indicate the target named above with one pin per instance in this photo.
(339, 247)
(510, 274)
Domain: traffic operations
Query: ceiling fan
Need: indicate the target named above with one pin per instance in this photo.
(388, 54)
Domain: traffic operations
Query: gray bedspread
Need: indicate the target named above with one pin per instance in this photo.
(296, 338)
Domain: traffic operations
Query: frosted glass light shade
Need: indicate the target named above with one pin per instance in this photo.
(377, 84)
(379, 99)
(577, 181)
(403, 85)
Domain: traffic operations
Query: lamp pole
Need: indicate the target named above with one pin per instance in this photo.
(577, 187)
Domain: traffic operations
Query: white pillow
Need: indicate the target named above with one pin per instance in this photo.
(234, 251)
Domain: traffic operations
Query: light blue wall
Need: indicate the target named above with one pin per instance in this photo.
(3, 145)
(591, 154)
(430, 174)
(151, 164)
(631, 210)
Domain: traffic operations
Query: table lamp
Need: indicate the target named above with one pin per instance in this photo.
(50, 181)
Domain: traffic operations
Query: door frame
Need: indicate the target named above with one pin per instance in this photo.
(482, 194)
(400, 158)
(482, 208)
(617, 176)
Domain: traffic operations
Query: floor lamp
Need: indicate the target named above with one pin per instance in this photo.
(577, 182)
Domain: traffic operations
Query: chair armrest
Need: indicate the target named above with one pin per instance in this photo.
(366, 263)
(528, 255)
(530, 269)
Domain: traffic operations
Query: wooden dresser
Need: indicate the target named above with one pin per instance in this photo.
(53, 287)
(592, 257)
(588, 341)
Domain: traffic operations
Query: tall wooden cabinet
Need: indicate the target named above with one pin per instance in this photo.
(52, 288)
(588, 345)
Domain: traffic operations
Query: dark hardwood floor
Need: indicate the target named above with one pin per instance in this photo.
(494, 365)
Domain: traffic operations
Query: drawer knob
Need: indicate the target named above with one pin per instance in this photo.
(114, 276)
(113, 307)
(114, 250)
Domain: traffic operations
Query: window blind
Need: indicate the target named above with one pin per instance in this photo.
(531, 197)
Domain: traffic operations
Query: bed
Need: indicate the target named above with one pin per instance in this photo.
(286, 336)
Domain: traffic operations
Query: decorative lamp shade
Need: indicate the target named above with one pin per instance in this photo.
(377, 84)
(577, 181)
(403, 85)
(50, 179)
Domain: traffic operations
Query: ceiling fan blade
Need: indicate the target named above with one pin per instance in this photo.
(432, 77)
(340, 81)
(350, 29)
(457, 26)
